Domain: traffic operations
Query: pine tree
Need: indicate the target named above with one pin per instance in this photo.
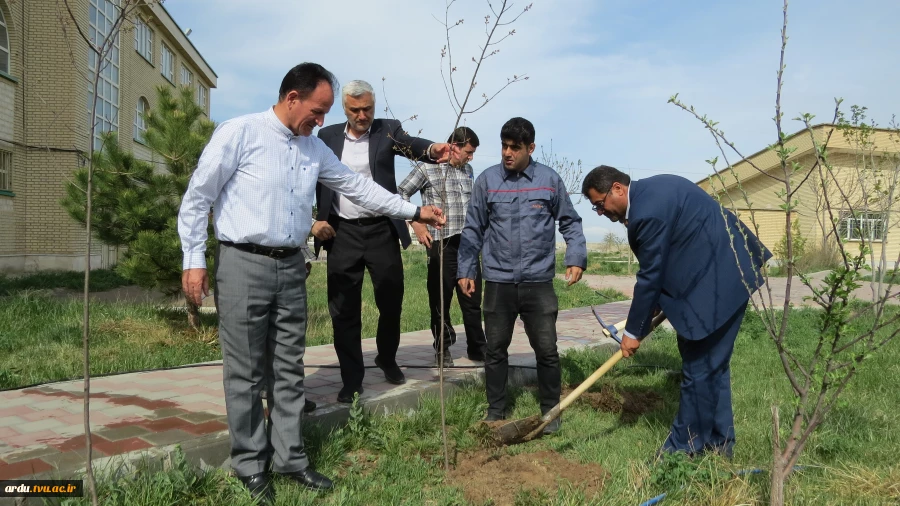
(136, 202)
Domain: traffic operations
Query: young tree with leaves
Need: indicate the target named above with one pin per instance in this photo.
(849, 330)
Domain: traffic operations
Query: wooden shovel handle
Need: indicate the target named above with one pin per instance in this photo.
(613, 360)
(589, 382)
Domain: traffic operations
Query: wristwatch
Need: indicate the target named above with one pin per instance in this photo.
(418, 214)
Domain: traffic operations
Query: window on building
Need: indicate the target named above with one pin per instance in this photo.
(167, 60)
(187, 77)
(862, 225)
(140, 125)
(202, 93)
(4, 45)
(102, 14)
(143, 40)
(5, 170)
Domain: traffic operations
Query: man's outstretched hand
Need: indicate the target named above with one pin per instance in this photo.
(440, 152)
(431, 215)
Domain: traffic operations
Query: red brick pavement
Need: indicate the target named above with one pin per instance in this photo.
(42, 426)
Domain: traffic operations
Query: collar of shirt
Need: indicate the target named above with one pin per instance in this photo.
(361, 137)
(276, 123)
(628, 202)
(528, 172)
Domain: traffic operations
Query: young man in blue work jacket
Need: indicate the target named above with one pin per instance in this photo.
(511, 222)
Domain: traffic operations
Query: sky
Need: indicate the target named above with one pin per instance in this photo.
(600, 72)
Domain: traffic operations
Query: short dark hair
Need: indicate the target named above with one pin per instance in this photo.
(463, 135)
(518, 131)
(602, 178)
(304, 78)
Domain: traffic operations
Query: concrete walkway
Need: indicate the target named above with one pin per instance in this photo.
(41, 428)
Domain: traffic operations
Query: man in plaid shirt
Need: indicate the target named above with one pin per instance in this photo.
(449, 186)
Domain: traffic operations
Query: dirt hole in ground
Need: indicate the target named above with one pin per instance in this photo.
(497, 477)
(629, 403)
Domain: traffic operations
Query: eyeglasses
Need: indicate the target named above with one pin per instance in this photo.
(598, 206)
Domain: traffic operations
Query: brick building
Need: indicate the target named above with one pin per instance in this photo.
(45, 114)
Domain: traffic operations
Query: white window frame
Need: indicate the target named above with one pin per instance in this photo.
(863, 225)
(4, 46)
(202, 95)
(187, 77)
(167, 63)
(143, 40)
(5, 170)
(101, 14)
(140, 125)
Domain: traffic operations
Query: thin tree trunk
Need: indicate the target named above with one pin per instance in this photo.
(442, 351)
(86, 334)
(776, 492)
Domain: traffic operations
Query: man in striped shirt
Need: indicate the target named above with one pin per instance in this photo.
(259, 174)
(449, 186)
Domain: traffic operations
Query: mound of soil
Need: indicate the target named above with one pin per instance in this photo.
(631, 404)
(496, 477)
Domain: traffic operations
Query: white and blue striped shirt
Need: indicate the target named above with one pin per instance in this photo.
(260, 180)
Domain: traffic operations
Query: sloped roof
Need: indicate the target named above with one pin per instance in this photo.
(766, 160)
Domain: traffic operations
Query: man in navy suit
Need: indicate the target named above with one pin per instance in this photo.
(699, 264)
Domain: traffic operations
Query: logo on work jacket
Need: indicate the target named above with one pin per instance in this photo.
(537, 205)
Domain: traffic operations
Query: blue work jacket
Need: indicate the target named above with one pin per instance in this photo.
(511, 221)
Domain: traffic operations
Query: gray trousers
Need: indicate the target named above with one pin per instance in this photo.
(261, 304)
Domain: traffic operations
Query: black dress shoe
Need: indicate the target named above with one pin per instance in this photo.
(310, 479)
(392, 372)
(346, 394)
(493, 417)
(260, 487)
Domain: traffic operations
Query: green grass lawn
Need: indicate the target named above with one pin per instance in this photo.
(397, 459)
(101, 280)
(40, 336)
(601, 263)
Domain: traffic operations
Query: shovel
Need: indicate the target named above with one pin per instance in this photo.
(527, 429)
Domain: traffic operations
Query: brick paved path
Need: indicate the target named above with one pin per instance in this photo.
(41, 428)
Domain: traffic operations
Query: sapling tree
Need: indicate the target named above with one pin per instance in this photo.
(465, 98)
(849, 330)
(103, 53)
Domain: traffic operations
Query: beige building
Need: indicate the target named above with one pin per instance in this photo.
(863, 165)
(45, 113)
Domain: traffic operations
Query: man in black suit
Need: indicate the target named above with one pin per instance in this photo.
(699, 264)
(357, 239)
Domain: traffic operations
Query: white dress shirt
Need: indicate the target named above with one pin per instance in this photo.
(355, 156)
(260, 180)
